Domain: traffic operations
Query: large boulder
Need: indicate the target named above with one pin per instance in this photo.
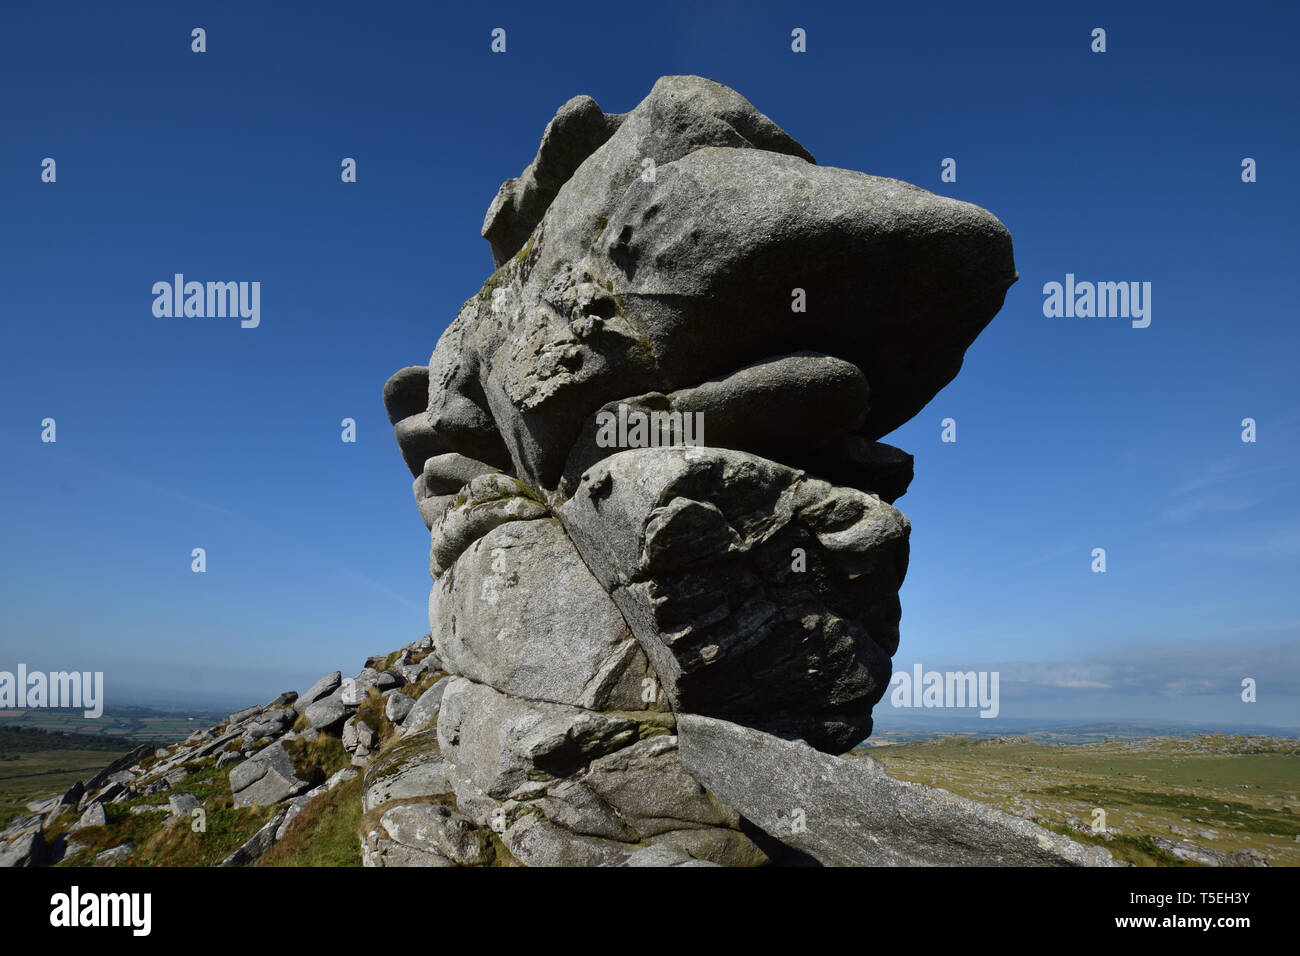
(266, 777)
(672, 254)
(852, 813)
(687, 271)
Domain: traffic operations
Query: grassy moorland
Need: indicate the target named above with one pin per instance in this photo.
(1221, 792)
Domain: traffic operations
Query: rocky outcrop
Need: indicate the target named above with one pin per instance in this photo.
(664, 550)
(647, 455)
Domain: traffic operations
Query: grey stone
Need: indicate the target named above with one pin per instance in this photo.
(852, 813)
(437, 828)
(359, 736)
(426, 709)
(488, 501)
(412, 768)
(380, 680)
(323, 688)
(658, 855)
(535, 841)
(93, 817)
(397, 707)
(378, 849)
(23, 844)
(267, 777)
(578, 130)
(696, 545)
(241, 717)
(413, 672)
(115, 855)
(271, 723)
(776, 408)
(183, 804)
(505, 619)
(626, 287)
(328, 712)
(111, 792)
(447, 474)
(495, 744)
(650, 790)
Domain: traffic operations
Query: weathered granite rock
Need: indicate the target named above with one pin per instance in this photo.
(101, 778)
(426, 709)
(688, 263)
(183, 804)
(359, 736)
(115, 855)
(412, 768)
(505, 618)
(397, 706)
(486, 502)
(852, 813)
(323, 688)
(434, 828)
(94, 816)
(267, 777)
(270, 723)
(22, 843)
(328, 712)
(658, 855)
(578, 130)
(630, 284)
(701, 549)
(497, 746)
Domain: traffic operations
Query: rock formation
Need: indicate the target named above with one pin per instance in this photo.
(629, 622)
(663, 544)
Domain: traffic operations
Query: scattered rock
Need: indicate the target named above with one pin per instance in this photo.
(267, 777)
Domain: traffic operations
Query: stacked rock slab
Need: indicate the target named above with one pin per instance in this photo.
(687, 260)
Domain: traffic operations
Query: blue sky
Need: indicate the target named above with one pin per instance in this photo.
(1072, 433)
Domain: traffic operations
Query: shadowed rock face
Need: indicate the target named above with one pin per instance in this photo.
(686, 260)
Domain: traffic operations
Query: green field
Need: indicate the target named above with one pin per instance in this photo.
(134, 723)
(1220, 792)
(35, 764)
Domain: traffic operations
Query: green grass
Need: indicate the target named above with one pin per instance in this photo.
(161, 840)
(1220, 792)
(324, 833)
(36, 775)
(316, 760)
